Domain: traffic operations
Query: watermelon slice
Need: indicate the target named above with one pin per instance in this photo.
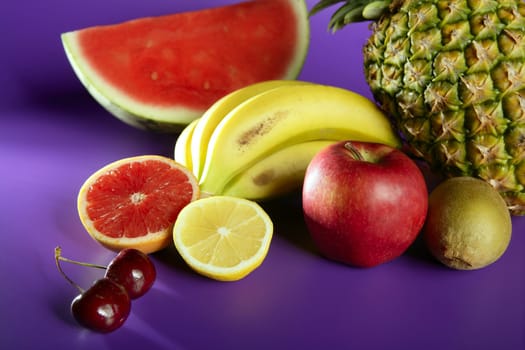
(160, 73)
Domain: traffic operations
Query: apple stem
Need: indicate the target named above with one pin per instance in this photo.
(354, 151)
(59, 257)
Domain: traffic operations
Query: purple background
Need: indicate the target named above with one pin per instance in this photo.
(53, 135)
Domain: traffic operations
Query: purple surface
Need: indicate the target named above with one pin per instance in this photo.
(54, 135)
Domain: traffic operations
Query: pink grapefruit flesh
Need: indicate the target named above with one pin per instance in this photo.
(134, 202)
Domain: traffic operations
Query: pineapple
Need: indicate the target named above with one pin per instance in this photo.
(451, 74)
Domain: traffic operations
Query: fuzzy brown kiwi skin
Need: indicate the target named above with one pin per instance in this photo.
(468, 224)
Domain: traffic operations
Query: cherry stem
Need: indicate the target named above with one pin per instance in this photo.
(59, 257)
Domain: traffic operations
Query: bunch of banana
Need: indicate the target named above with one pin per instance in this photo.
(256, 142)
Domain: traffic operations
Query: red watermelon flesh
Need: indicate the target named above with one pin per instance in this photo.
(162, 72)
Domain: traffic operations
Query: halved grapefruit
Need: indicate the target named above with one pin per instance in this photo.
(134, 202)
(163, 72)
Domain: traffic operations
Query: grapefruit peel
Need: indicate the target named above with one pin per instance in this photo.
(122, 210)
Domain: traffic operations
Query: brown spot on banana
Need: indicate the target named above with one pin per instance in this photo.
(262, 128)
(264, 178)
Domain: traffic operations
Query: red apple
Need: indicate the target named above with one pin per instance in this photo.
(364, 203)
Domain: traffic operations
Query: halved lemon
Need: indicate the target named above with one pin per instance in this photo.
(224, 238)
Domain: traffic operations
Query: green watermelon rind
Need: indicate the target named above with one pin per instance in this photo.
(173, 119)
(118, 104)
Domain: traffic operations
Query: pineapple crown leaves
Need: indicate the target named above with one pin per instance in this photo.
(353, 11)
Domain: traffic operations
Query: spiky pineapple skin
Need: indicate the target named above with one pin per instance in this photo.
(452, 76)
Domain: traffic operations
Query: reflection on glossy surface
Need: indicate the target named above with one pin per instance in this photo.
(53, 135)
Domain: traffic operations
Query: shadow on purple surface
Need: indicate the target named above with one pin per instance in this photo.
(172, 259)
(60, 304)
(287, 215)
(419, 252)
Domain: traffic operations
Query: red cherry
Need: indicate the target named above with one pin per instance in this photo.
(134, 270)
(103, 307)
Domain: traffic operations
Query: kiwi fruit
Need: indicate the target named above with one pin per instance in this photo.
(468, 224)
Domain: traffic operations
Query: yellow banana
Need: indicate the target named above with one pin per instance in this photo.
(285, 116)
(279, 173)
(209, 120)
(182, 153)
